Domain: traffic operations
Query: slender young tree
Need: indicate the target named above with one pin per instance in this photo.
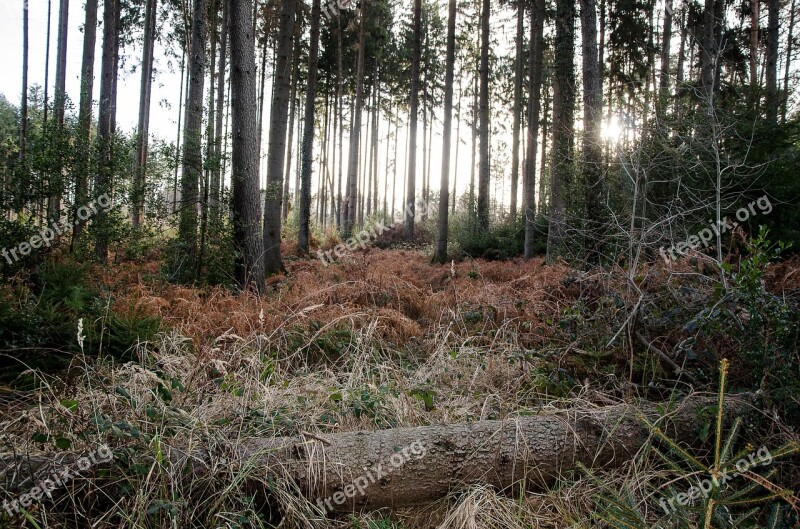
(444, 188)
(787, 72)
(773, 35)
(216, 172)
(307, 157)
(277, 141)
(355, 130)
(85, 118)
(143, 129)
(54, 194)
(246, 216)
(192, 164)
(23, 106)
(292, 117)
(666, 47)
(411, 167)
(484, 167)
(518, 80)
(105, 121)
(535, 60)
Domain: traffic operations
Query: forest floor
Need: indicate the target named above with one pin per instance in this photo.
(378, 340)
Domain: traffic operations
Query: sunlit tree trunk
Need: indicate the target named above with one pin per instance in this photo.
(535, 60)
(355, 131)
(411, 189)
(444, 187)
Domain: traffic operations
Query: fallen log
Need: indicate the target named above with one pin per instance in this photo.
(400, 467)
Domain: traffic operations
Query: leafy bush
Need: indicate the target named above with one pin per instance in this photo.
(43, 315)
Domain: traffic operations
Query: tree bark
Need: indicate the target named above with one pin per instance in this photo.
(142, 135)
(535, 60)
(307, 157)
(411, 189)
(592, 148)
(56, 184)
(484, 167)
(355, 130)
(246, 218)
(787, 72)
(105, 122)
(401, 467)
(666, 44)
(277, 141)
(563, 129)
(772, 60)
(444, 188)
(85, 119)
(292, 118)
(518, 75)
(192, 139)
(216, 172)
(23, 105)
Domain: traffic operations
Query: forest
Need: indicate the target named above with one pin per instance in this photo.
(384, 264)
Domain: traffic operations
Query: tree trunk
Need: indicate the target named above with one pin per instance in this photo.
(708, 51)
(23, 105)
(47, 62)
(307, 157)
(401, 467)
(277, 141)
(192, 138)
(484, 169)
(216, 172)
(355, 131)
(411, 189)
(105, 121)
(518, 75)
(444, 187)
(563, 129)
(290, 141)
(755, 21)
(592, 148)
(773, 35)
(789, 46)
(666, 43)
(535, 60)
(56, 184)
(246, 218)
(543, 205)
(83, 165)
(142, 135)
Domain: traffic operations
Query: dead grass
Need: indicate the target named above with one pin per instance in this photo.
(345, 347)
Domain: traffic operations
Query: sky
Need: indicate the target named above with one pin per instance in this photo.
(167, 89)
